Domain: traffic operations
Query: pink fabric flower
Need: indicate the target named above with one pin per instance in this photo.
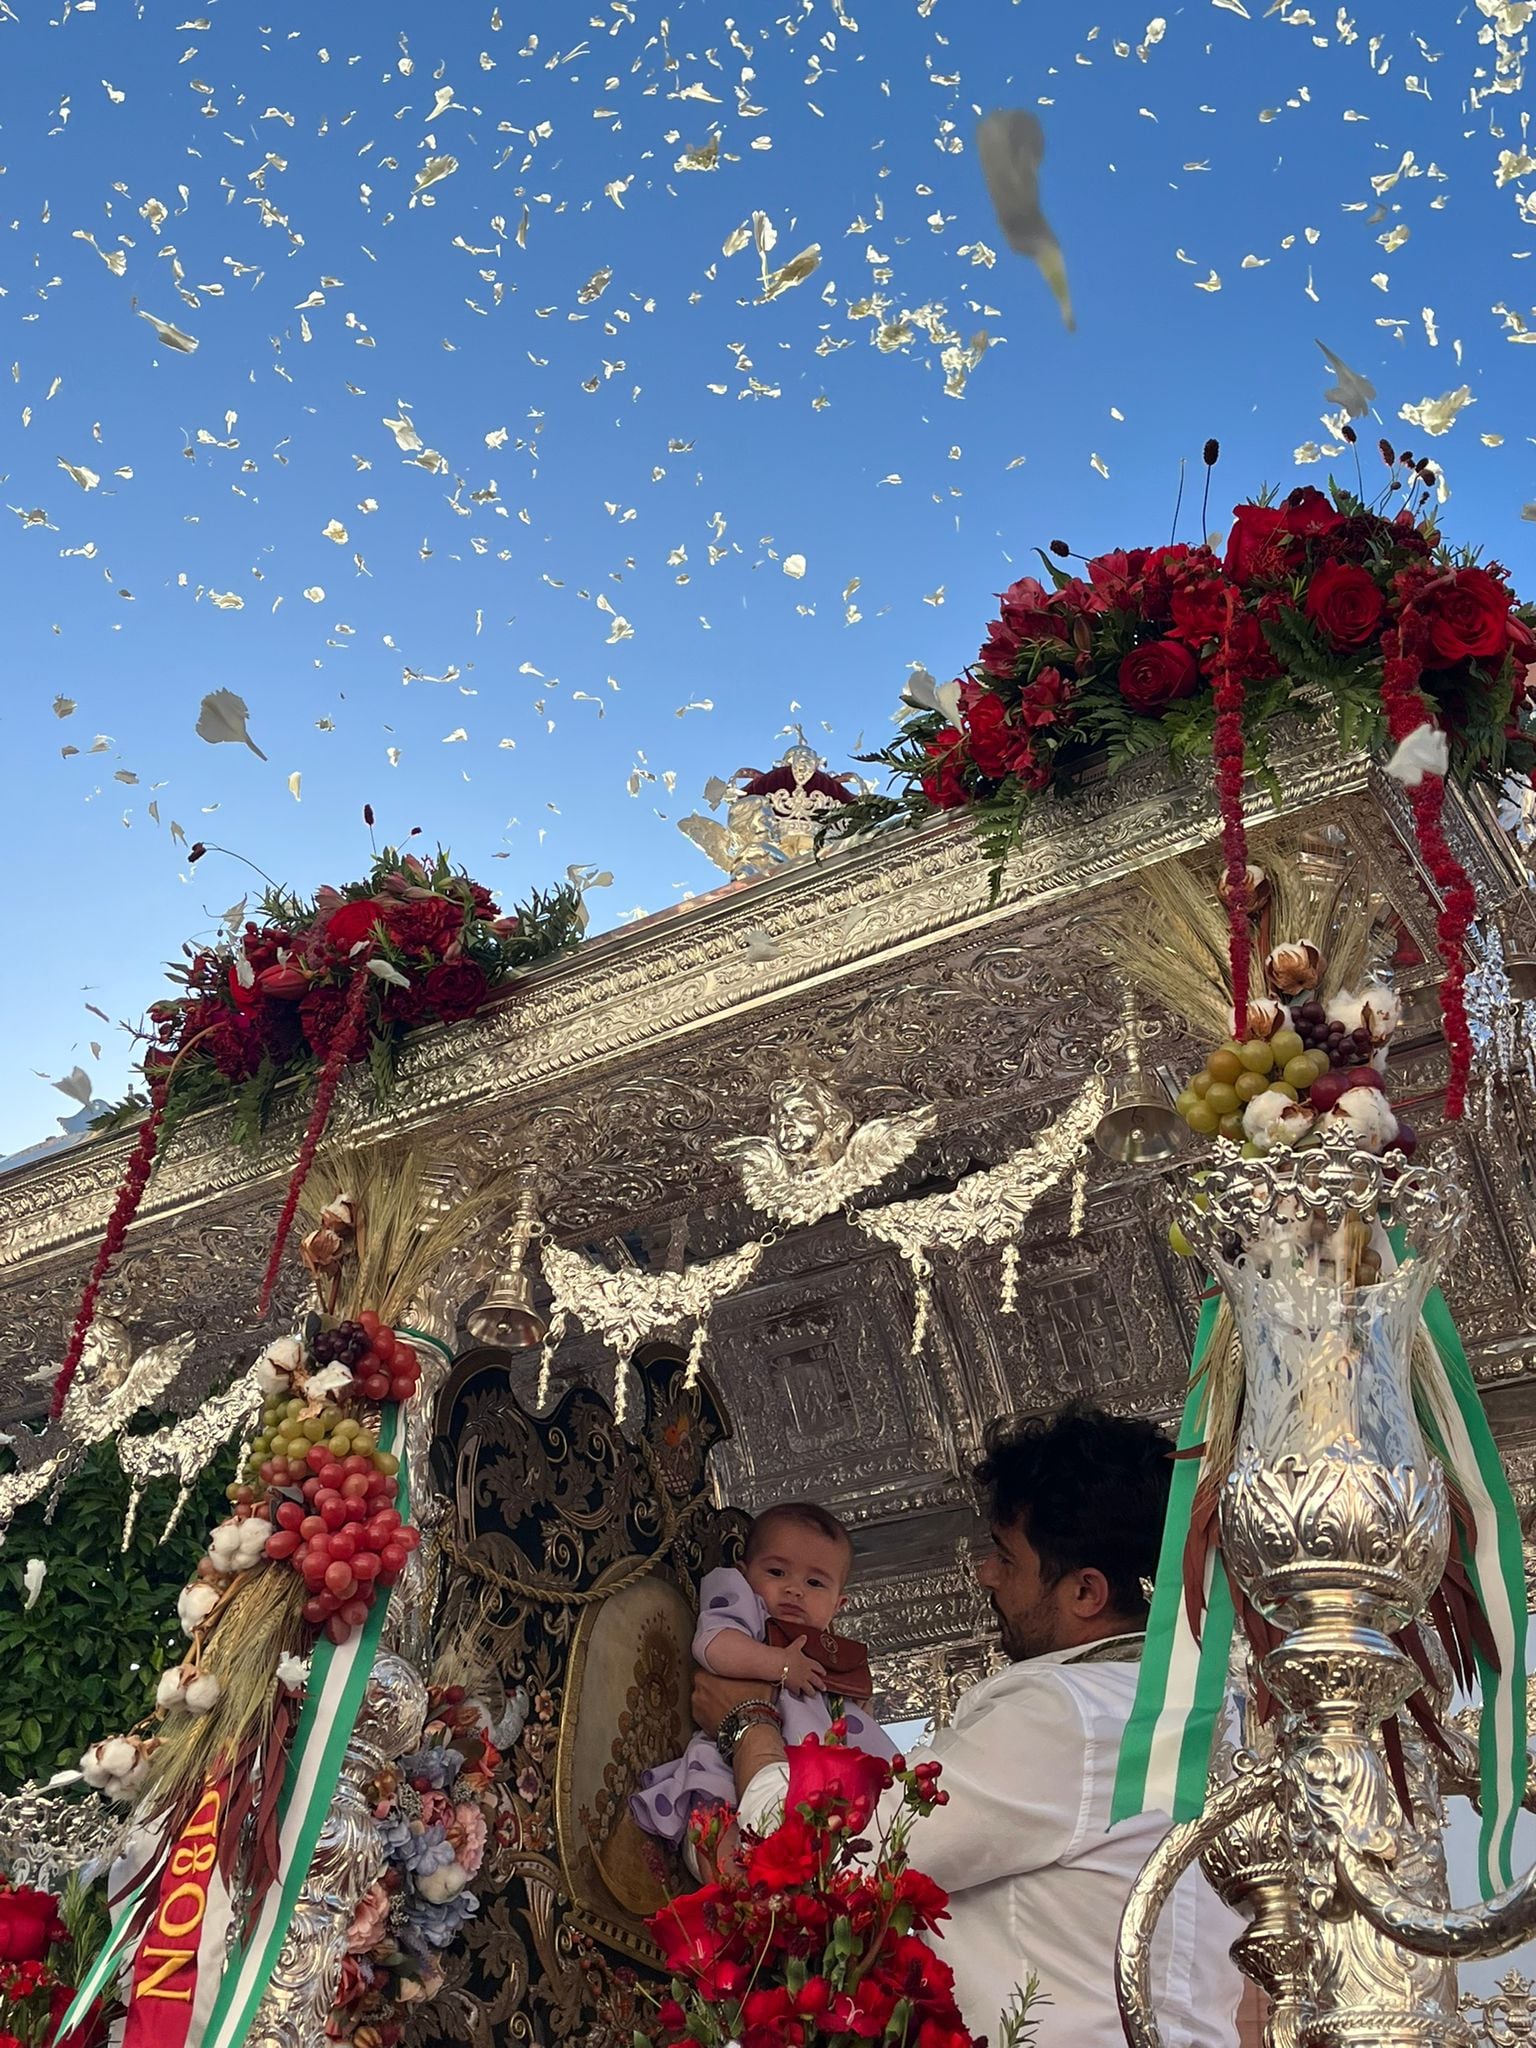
(466, 1831)
(368, 1921)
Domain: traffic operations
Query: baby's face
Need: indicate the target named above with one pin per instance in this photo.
(798, 1575)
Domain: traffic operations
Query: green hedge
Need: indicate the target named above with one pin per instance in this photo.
(84, 1662)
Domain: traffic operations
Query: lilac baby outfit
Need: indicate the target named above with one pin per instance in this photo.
(669, 1793)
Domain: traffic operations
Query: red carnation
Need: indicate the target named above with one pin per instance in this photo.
(429, 924)
(1154, 674)
(785, 1858)
(1468, 619)
(1198, 607)
(455, 989)
(943, 785)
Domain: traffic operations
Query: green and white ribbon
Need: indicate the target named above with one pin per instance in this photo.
(1182, 1688)
(338, 1677)
(1495, 1562)
(110, 1956)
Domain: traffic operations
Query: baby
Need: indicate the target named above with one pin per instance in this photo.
(753, 1624)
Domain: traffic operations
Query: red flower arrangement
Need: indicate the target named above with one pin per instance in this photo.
(803, 1943)
(35, 1944)
(305, 990)
(1321, 607)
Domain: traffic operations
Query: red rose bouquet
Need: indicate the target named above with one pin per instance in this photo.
(1321, 608)
(813, 1938)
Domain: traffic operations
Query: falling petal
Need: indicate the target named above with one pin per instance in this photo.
(184, 344)
(221, 720)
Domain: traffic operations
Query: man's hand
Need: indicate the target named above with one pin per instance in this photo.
(713, 1698)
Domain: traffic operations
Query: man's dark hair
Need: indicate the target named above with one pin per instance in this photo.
(808, 1515)
(1089, 1490)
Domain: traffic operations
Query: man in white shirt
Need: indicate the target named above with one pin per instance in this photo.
(1037, 1877)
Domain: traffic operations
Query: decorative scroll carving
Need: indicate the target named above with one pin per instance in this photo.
(567, 1501)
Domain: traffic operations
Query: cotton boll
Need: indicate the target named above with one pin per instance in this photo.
(1425, 751)
(104, 1761)
(439, 1886)
(1347, 1009)
(1367, 1115)
(252, 1541)
(168, 1694)
(201, 1694)
(278, 1363)
(1381, 1011)
(195, 1604)
(1273, 1119)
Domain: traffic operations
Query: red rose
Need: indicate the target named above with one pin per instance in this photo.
(827, 1774)
(1198, 607)
(1345, 604)
(29, 1924)
(455, 989)
(1469, 618)
(352, 923)
(944, 785)
(1157, 672)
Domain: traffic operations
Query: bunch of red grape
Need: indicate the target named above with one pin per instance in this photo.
(346, 1538)
(1319, 1032)
(383, 1365)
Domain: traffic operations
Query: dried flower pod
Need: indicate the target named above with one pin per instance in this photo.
(1265, 1017)
(1293, 968)
(1255, 890)
(1212, 452)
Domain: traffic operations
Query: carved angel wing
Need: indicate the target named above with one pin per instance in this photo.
(711, 838)
(802, 1197)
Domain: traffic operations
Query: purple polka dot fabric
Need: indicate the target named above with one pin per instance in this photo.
(669, 1793)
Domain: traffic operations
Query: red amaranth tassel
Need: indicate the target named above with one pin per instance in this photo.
(1227, 746)
(349, 1028)
(130, 1194)
(1402, 668)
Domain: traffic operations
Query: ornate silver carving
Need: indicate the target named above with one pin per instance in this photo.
(814, 1159)
(348, 1858)
(44, 1837)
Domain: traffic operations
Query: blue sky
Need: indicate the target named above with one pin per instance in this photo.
(1212, 139)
